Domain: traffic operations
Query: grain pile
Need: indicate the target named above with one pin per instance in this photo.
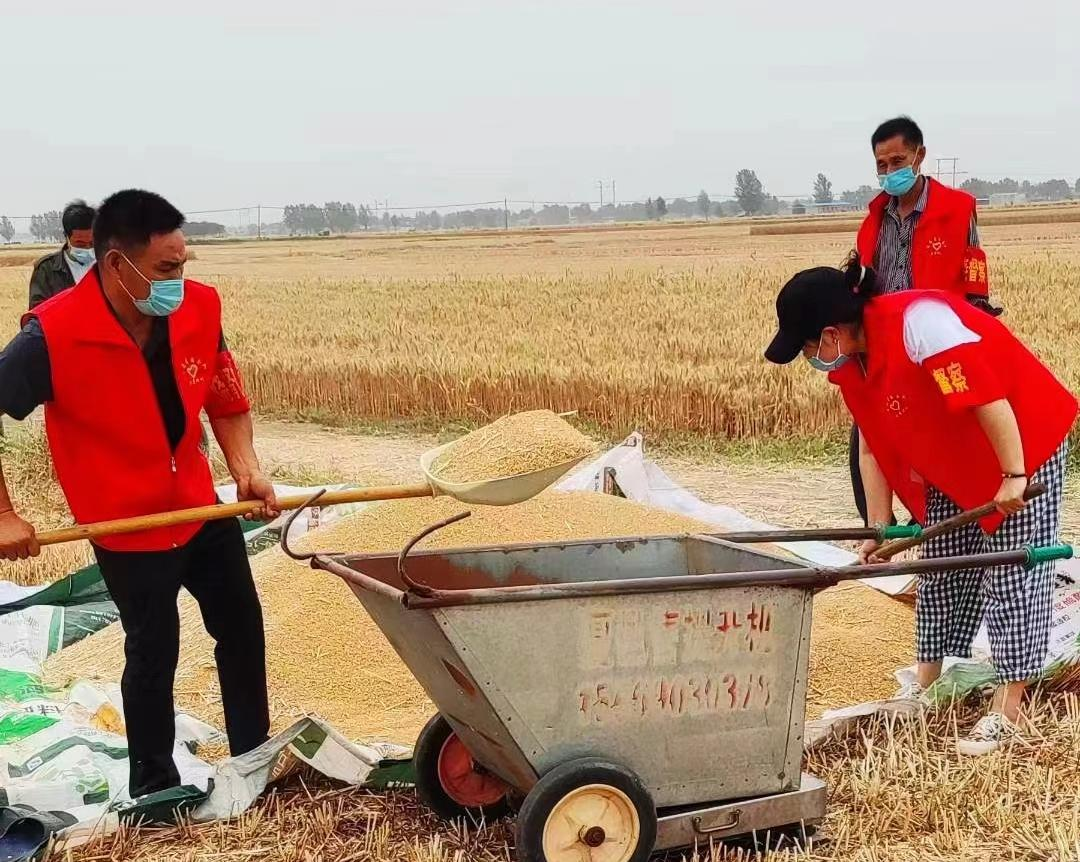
(325, 655)
(860, 637)
(512, 445)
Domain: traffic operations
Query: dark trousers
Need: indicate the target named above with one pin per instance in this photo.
(855, 471)
(856, 475)
(214, 568)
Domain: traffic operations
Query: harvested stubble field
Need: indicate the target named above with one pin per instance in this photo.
(898, 794)
(660, 329)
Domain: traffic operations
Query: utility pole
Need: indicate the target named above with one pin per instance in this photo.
(613, 192)
(260, 222)
(955, 172)
(600, 184)
(506, 214)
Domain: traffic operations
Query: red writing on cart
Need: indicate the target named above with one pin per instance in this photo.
(742, 623)
(674, 696)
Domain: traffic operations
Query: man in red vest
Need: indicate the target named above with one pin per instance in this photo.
(954, 411)
(125, 363)
(918, 234)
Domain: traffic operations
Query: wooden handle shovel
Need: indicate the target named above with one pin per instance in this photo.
(227, 510)
(890, 549)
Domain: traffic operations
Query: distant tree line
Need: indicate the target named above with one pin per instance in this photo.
(331, 217)
(204, 228)
(1048, 191)
(749, 198)
(46, 226)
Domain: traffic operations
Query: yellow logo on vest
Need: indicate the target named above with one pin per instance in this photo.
(935, 245)
(951, 379)
(975, 270)
(194, 370)
(896, 404)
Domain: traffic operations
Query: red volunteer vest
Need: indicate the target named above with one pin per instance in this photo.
(105, 430)
(918, 420)
(940, 256)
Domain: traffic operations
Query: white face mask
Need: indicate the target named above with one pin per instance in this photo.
(83, 256)
(820, 364)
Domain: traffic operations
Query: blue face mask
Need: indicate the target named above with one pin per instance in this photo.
(819, 364)
(83, 256)
(164, 298)
(899, 182)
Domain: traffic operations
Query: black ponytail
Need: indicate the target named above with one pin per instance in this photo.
(860, 280)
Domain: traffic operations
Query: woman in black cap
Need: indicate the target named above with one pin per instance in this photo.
(953, 411)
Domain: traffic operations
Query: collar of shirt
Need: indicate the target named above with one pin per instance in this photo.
(78, 270)
(920, 204)
(159, 328)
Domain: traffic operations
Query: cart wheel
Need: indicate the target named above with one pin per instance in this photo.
(587, 810)
(450, 782)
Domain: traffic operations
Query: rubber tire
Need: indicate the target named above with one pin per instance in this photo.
(429, 788)
(566, 777)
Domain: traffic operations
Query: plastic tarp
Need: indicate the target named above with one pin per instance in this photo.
(63, 754)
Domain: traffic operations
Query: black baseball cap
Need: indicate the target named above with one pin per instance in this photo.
(812, 300)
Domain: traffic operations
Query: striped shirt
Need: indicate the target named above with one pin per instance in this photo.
(892, 257)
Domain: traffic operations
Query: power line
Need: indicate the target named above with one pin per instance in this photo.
(504, 203)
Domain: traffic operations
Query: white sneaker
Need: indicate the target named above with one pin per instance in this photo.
(992, 732)
(910, 692)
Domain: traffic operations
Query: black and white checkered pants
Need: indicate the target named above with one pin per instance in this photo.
(1018, 603)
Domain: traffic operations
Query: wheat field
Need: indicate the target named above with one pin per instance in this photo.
(660, 329)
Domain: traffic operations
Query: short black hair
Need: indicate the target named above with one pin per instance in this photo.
(78, 215)
(903, 126)
(126, 220)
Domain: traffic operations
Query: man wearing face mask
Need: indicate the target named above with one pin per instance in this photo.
(125, 363)
(918, 234)
(66, 267)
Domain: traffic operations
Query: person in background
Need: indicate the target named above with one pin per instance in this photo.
(125, 363)
(918, 234)
(954, 411)
(65, 267)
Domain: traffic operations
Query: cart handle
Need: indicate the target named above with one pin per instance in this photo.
(807, 577)
(284, 542)
(733, 820)
(1047, 554)
(415, 586)
(1034, 490)
(888, 532)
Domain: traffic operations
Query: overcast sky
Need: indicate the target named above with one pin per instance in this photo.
(234, 102)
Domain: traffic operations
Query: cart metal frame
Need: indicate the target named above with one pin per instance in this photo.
(667, 681)
(698, 687)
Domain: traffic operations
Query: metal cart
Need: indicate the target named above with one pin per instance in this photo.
(640, 694)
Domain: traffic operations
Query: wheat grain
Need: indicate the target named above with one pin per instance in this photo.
(512, 445)
(325, 655)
